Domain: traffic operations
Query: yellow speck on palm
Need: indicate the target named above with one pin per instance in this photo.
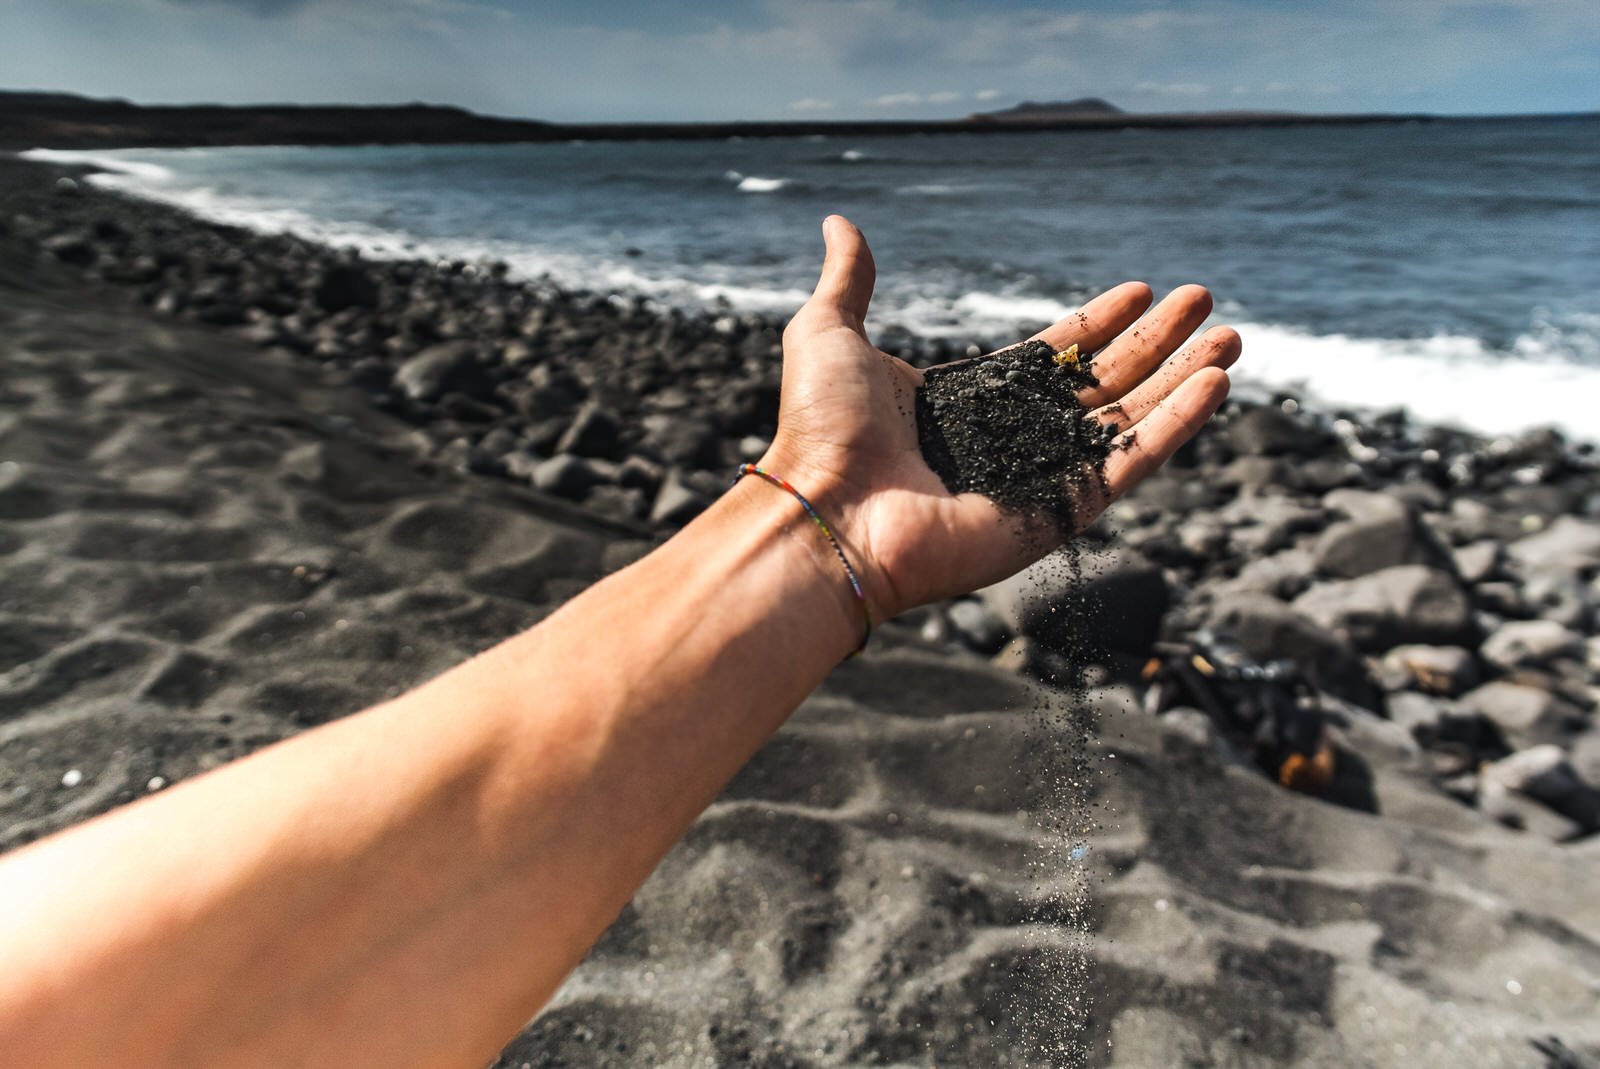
(1068, 357)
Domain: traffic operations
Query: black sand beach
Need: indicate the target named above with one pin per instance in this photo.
(248, 484)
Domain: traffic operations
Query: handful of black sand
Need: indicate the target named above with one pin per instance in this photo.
(1010, 426)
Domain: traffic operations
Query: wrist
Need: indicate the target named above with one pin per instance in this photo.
(806, 537)
(843, 506)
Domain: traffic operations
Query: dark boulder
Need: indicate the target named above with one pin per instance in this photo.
(1531, 644)
(1269, 630)
(546, 392)
(1568, 544)
(1560, 597)
(1544, 774)
(1410, 603)
(682, 439)
(977, 626)
(1446, 670)
(567, 476)
(1438, 722)
(678, 500)
(641, 474)
(1263, 524)
(1259, 430)
(593, 432)
(73, 248)
(346, 285)
(1525, 715)
(1117, 599)
(442, 368)
(1381, 532)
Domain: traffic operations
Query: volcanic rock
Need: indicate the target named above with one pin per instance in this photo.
(1119, 597)
(1544, 774)
(1568, 544)
(1530, 644)
(346, 285)
(1410, 603)
(1525, 715)
(1381, 532)
(1447, 670)
(1269, 630)
(593, 432)
(448, 366)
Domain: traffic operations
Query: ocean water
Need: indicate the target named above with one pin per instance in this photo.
(1453, 269)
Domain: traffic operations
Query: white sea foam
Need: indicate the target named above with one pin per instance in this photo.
(756, 184)
(852, 155)
(114, 165)
(276, 219)
(1009, 309)
(931, 189)
(1549, 376)
(1444, 379)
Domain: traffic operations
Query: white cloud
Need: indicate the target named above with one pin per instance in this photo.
(504, 56)
(810, 104)
(1176, 89)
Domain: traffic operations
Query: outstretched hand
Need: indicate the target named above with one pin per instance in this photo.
(847, 430)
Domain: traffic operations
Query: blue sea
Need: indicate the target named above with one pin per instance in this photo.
(1453, 269)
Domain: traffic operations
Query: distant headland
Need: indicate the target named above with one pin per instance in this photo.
(65, 120)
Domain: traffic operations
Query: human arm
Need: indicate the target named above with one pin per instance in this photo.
(407, 885)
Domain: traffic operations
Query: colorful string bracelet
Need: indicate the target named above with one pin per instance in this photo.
(855, 582)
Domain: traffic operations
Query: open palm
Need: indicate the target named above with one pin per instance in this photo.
(847, 431)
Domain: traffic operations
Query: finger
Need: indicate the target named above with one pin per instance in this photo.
(1137, 452)
(1218, 347)
(1137, 352)
(845, 289)
(1100, 320)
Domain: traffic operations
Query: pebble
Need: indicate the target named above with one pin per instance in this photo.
(1446, 670)
(1531, 644)
(977, 626)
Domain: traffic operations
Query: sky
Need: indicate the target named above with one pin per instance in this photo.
(618, 60)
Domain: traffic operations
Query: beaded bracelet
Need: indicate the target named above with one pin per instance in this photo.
(855, 583)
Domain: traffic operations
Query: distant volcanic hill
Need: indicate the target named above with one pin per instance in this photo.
(1051, 111)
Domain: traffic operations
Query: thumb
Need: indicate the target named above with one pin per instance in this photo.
(847, 272)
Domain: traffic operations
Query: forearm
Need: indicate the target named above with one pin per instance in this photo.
(406, 886)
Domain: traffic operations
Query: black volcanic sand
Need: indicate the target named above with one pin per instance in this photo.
(215, 535)
(1010, 426)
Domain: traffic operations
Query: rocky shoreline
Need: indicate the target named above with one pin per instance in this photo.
(1438, 589)
(254, 484)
